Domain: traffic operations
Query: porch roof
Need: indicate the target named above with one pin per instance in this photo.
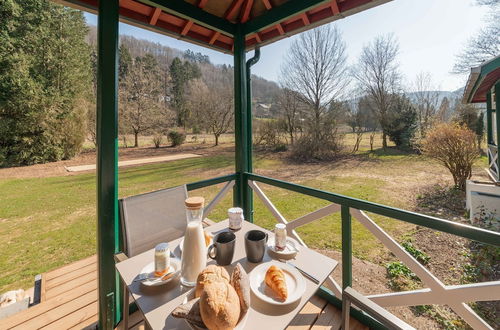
(212, 24)
(480, 81)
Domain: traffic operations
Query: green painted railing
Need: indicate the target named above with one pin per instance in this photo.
(346, 203)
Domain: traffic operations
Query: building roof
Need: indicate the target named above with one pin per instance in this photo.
(480, 81)
(212, 23)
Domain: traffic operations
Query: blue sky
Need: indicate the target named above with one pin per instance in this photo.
(430, 32)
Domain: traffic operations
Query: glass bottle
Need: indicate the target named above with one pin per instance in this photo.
(194, 251)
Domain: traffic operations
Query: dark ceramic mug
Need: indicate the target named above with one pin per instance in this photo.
(255, 245)
(222, 250)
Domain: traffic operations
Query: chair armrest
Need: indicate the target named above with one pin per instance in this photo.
(379, 313)
(119, 257)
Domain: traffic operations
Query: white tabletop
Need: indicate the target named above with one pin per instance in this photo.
(157, 303)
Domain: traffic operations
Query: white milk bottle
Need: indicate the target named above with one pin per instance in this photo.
(194, 251)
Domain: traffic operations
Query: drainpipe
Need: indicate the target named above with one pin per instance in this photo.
(249, 141)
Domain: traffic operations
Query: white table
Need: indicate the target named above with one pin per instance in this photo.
(157, 303)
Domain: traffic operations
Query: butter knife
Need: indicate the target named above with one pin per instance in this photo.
(303, 272)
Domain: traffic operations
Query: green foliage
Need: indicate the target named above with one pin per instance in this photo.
(397, 268)
(176, 137)
(421, 256)
(181, 73)
(401, 122)
(44, 81)
(400, 276)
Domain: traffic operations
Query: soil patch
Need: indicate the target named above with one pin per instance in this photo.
(369, 278)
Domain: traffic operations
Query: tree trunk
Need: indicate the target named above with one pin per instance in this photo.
(384, 140)
(216, 139)
(136, 139)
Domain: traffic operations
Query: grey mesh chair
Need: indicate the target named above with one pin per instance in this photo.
(378, 313)
(149, 219)
(152, 218)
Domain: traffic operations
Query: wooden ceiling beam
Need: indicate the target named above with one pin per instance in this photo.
(214, 38)
(335, 7)
(245, 12)
(186, 28)
(233, 9)
(188, 11)
(267, 4)
(305, 19)
(257, 37)
(154, 17)
(281, 13)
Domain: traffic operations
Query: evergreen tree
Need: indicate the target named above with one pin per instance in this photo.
(181, 73)
(401, 121)
(44, 81)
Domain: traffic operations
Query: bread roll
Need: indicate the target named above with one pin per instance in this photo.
(219, 306)
(241, 283)
(212, 273)
(190, 311)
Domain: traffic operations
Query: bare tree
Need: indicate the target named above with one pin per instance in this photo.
(378, 75)
(290, 109)
(211, 108)
(315, 67)
(426, 101)
(485, 44)
(140, 97)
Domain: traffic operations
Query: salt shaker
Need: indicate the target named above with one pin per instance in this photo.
(280, 236)
(236, 218)
(162, 259)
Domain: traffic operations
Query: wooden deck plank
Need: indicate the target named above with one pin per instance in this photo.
(70, 286)
(46, 306)
(75, 318)
(308, 314)
(330, 318)
(60, 312)
(90, 323)
(70, 276)
(71, 267)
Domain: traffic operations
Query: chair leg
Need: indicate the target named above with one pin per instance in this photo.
(125, 307)
(346, 312)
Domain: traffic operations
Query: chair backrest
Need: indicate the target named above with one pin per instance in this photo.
(152, 218)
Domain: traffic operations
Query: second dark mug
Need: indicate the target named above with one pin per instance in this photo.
(255, 245)
(222, 250)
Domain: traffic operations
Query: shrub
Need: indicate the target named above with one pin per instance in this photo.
(157, 140)
(455, 147)
(268, 135)
(176, 137)
(322, 144)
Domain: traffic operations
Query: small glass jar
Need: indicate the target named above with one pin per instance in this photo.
(236, 218)
(280, 236)
(162, 259)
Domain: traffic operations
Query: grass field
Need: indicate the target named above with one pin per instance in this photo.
(49, 222)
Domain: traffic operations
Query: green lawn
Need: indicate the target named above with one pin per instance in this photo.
(49, 222)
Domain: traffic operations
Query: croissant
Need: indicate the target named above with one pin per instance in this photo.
(275, 279)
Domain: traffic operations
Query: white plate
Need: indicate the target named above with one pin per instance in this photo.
(181, 244)
(149, 269)
(239, 326)
(291, 248)
(295, 283)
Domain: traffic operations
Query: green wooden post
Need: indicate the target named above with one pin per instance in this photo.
(497, 116)
(107, 162)
(489, 126)
(242, 191)
(346, 247)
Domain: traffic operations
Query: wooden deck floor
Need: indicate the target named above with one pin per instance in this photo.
(69, 301)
